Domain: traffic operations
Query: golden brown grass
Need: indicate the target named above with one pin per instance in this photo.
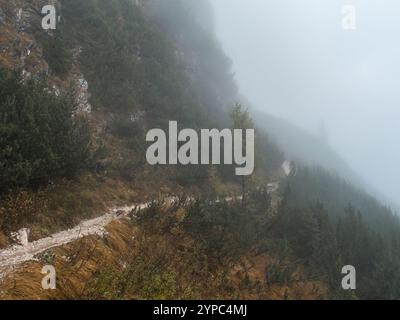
(75, 265)
(128, 252)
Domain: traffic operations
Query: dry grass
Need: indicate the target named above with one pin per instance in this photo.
(64, 205)
(75, 265)
(253, 269)
(79, 263)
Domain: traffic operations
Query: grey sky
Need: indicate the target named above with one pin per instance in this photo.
(293, 59)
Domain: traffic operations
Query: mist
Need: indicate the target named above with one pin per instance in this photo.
(293, 59)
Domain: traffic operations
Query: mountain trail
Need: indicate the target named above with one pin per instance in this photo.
(17, 254)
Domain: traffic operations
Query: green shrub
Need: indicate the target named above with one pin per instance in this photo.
(56, 51)
(40, 137)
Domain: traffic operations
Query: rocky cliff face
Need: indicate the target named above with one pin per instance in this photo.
(20, 22)
(18, 47)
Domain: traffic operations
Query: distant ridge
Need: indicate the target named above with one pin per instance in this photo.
(309, 150)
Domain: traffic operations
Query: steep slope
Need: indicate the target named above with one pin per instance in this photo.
(309, 150)
(128, 75)
(134, 72)
(135, 65)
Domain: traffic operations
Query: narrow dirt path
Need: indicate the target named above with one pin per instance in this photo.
(18, 254)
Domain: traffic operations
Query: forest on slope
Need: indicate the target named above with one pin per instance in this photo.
(146, 63)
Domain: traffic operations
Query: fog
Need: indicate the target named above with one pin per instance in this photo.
(293, 59)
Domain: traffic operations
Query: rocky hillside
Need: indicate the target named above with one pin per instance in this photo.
(75, 106)
(21, 49)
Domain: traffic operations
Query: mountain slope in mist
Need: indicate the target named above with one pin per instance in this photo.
(310, 150)
(145, 63)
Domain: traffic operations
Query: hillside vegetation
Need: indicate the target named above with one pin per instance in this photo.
(146, 65)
